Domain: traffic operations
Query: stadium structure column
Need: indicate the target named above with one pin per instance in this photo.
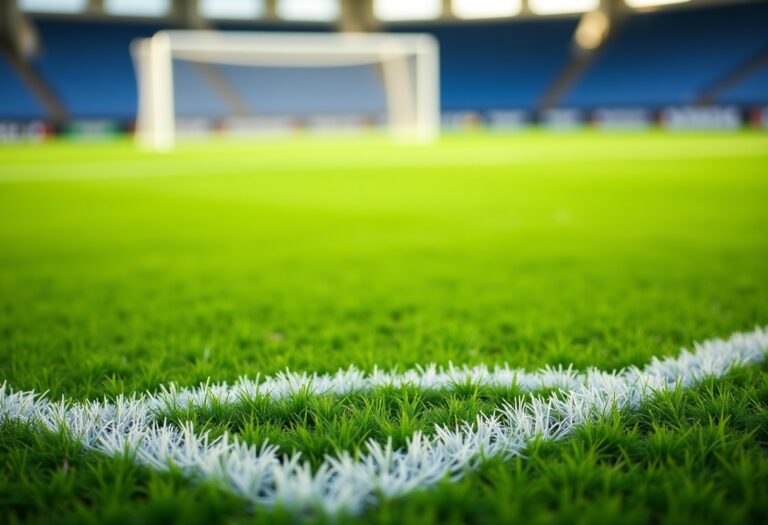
(17, 34)
(20, 42)
(188, 13)
(447, 9)
(95, 6)
(357, 17)
(270, 10)
(592, 32)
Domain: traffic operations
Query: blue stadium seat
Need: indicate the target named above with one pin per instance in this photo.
(499, 65)
(194, 95)
(276, 90)
(669, 57)
(16, 102)
(752, 90)
(88, 64)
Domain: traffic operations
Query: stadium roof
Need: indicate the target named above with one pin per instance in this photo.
(349, 14)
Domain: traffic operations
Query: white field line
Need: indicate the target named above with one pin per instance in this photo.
(346, 483)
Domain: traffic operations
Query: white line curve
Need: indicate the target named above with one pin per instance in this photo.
(347, 483)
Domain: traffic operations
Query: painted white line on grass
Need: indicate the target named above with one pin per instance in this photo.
(350, 483)
(352, 380)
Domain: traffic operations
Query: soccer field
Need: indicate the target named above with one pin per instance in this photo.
(122, 272)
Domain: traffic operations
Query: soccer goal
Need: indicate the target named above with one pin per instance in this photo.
(255, 78)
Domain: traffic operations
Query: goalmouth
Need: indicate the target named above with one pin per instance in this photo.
(409, 66)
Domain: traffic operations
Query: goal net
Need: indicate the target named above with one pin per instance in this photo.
(193, 81)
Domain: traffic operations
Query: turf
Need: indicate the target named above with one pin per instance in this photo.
(121, 271)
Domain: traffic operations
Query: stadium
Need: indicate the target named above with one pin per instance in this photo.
(383, 261)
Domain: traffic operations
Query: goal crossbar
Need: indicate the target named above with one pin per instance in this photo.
(413, 97)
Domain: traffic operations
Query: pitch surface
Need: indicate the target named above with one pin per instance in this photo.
(121, 271)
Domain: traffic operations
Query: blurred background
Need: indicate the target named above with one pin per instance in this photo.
(66, 68)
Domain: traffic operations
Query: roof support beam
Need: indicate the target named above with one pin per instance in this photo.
(584, 51)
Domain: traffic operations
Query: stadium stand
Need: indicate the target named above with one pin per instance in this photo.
(520, 57)
(655, 59)
(194, 96)
(669, 57)
(217, 91)
(16, 101)
(283, 90)
(88, 64)
(519, 61)
(751, 90)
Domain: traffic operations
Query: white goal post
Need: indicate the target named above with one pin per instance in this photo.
(409, 65)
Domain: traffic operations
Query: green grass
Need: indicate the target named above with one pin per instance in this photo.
(121, 271)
